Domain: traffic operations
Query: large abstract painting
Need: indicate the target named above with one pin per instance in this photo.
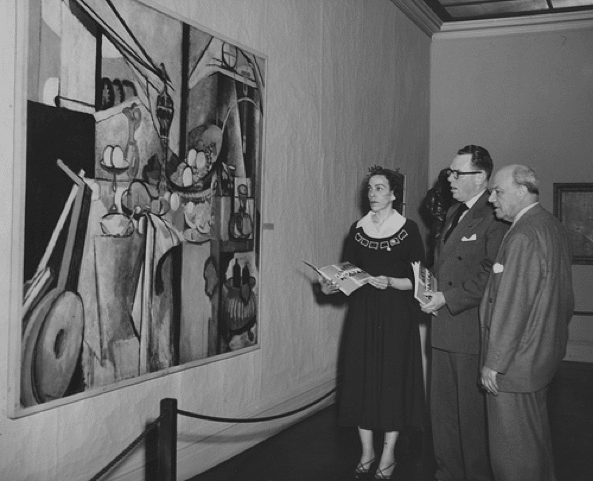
(144, 150)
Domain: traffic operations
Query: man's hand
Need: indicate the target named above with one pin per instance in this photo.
(489, 380)
(436, 302)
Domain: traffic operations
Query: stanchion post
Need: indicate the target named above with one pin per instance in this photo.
(167, 450)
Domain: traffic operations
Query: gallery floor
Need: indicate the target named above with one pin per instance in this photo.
(317, 449)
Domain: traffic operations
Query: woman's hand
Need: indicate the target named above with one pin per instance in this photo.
(329, 287)
(380, 282)
(383, 282)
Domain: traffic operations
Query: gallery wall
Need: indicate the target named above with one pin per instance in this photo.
(527, 97)
(347, 87)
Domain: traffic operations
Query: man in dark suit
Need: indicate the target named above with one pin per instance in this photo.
(465, 253)
(525, 312)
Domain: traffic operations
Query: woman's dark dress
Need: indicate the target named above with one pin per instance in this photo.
(382, 377)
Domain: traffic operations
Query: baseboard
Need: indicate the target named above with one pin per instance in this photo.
(234, 439)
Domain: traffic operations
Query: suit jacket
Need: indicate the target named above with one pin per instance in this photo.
(528, 303)
(462, 269)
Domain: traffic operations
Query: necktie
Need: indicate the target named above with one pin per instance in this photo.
(463, 207)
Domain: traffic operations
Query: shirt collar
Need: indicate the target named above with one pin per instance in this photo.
(390, 226)
(522, 212)
(472, 201)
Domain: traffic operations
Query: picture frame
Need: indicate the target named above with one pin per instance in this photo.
(139, 153)
(573, 207)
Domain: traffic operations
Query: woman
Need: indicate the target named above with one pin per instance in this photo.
(382, 385)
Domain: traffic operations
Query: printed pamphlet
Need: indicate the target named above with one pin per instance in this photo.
(346, 275)
(424, 281)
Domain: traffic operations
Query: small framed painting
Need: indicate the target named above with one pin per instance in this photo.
(573, 207)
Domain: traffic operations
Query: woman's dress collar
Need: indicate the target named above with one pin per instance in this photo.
(390, 226)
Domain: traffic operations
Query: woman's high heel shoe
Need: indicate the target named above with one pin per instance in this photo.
(383, 474)
(363, 470)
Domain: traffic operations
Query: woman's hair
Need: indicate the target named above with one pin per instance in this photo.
(395, 181)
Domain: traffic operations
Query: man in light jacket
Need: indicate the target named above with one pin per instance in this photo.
(525, 312)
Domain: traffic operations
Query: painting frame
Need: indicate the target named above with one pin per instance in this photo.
(237, 208)
(573, 207)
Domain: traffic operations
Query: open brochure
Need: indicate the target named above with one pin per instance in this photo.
(424, 281)
(346, 275)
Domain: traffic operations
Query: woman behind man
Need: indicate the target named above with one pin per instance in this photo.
(382, 385)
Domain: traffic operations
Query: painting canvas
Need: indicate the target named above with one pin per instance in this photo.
(573, 206)
(144, 152)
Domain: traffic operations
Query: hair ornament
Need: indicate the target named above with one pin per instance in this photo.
(382, 170)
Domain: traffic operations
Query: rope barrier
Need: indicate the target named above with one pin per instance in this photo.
(127, 450)
(257, 419)
(155, 423)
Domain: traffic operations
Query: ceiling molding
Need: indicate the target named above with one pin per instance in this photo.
(434, 27)
(420, 14)
(515, 25)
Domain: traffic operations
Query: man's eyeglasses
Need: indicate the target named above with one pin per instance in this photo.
(455, 174)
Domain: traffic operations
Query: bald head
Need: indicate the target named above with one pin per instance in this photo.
(513, 188)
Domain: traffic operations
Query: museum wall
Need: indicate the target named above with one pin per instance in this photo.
(527, 97)
(347, 87)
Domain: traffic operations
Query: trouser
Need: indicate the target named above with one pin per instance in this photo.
(520, 436)
(458, 417)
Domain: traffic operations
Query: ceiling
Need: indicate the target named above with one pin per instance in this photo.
(462, 10)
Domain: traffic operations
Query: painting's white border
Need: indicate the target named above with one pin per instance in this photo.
(15, 315)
